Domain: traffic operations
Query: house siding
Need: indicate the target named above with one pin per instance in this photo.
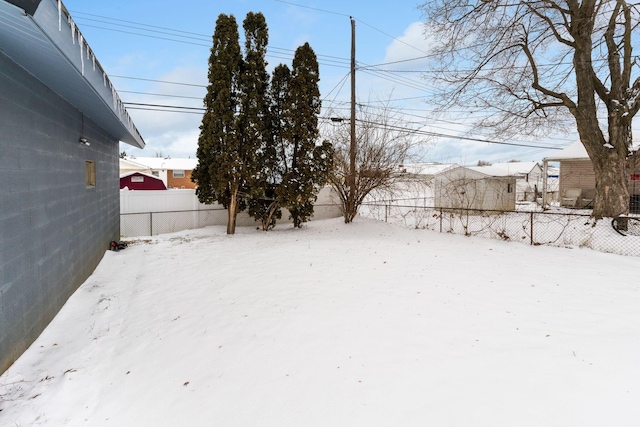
(577, 174)
(464, 189)
(180, 182)
(148, 183)
(53, 229)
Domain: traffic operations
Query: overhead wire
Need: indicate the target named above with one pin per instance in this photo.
(373, 70)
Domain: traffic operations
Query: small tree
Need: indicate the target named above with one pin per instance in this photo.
(384, 143)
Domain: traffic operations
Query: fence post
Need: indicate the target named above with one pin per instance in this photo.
(531, 228)
(441, 220)
(150, 223)
(386, 212)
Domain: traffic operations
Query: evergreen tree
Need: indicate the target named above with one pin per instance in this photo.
(255, 126)
(273, 158)
(257, 143)
(219, 174)
(306, 165)
(253, 119)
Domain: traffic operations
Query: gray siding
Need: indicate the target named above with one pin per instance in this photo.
(53, 229)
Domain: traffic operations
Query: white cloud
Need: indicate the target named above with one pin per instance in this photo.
(171, 133)
(411, 45)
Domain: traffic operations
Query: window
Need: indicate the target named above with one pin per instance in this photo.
(155, 173)
(137, 178)
(178, 173)
(90, 174)
(509, 188)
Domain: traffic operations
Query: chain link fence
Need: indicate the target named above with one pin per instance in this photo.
(154, 223)
(560, 228)
(160, 222)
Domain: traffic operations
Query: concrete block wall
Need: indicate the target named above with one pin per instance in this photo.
(54, 230)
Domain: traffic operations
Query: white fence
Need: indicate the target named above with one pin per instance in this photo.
(147, 213)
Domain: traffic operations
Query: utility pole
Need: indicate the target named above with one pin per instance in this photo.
(352, 149)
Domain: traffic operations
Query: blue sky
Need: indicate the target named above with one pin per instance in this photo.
(142, 44)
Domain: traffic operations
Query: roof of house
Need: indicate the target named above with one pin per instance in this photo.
(517, 168)
(474, 172)
(41, 37)
(127, 174)
(490, 171)
(427, 168)
(160, 163)
(574, 151)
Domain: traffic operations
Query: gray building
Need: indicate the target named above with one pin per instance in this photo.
(61, 121)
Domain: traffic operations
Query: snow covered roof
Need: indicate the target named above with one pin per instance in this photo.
(490, 170)
(517, 168)
(160, 163)
(41, 37)
(573, 151)
(428, 168)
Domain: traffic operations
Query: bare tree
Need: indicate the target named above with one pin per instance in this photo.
(543, 63)
(384, 143)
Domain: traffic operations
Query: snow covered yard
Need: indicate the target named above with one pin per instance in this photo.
(366, 324)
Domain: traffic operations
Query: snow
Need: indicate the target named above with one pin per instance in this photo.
(573, 151)
(517, 168)
(164, 163)
(365, 324)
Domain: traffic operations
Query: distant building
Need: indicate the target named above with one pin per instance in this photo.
(577, 178)
(140, 181)
(475, 187)
(528, 178)
(175, 173)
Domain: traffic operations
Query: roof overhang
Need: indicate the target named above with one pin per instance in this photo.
(41, 37)
(575, 151)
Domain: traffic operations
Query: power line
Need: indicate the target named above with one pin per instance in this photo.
(157, 81)
(137, 104)
(119, 20)
(313, 8)
(161, 94)
(178, 33)
(442, 135)
(326, 60)
(200, 110)
(163, 110)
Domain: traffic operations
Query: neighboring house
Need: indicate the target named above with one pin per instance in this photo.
(61, 122)
(477, 187)
(128, 165)
(417, 182)
(576, 179)
(140, 181)
(426, 171)
(528, 179)
(175, 173)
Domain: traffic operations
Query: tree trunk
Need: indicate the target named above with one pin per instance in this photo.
(349, 207)
(233, 212)
(609, 164)
(271, 210)
(612, 189)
